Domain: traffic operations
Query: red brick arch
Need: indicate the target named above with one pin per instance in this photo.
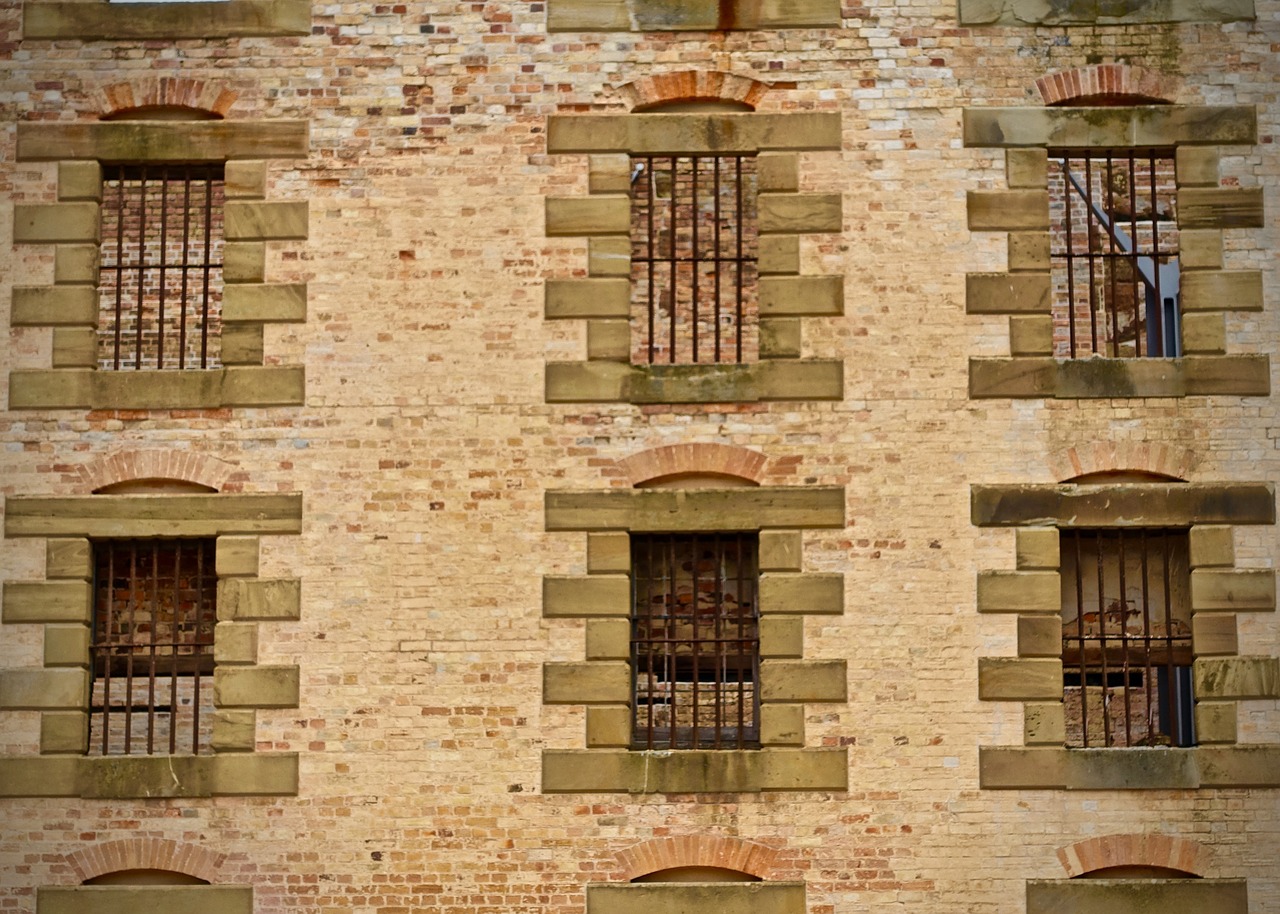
(1164, 851)
(694, 85)
(145, 854)
(697, 850)
(129, 465)
(1152, 457)
(1110, 81)
(693, 459)
(164, 92)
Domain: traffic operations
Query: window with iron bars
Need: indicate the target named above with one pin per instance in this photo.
(694, 245)
(1126, 637)
(695, 641)
(155, 607)
(1114, 251)
(160, 279)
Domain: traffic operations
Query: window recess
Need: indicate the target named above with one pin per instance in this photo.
(1114, 253)
(160, 282)
(695, 642)
(155, 605)
(694, 244)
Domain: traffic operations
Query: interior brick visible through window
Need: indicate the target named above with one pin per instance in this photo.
(694, 248)
(160, 283)
(1126, 637)
(695, 641)
(1114, 246)
(155, 605)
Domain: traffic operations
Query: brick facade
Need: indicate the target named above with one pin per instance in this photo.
(427, 447)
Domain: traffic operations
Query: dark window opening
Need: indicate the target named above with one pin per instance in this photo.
(695, 641)
(1126, 638)
(694, 248)
(152, 649)
(1114, 252)
(160, 278)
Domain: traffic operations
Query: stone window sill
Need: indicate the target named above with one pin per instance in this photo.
(95, 20)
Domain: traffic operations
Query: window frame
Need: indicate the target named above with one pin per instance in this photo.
(63, 604)
(1023, 293)
(691, 15)
(603, 682)
(1033, 594)
(603, 299)
(72, 225)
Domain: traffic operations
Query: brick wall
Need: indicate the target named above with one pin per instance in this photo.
(425, 448)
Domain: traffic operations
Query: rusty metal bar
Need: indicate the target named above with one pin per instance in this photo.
(695, 641)
(154, 611)
(146, 240)
(680, 280)
(1120, 634)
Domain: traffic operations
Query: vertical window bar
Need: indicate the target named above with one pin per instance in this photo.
(164, 247)
(695, 261)
(738, 228)
(208, 266)
(719, 254)
(119, 270)
(186, 265)
(1089, 252)
(142, 267)
(673, 231)
(1069, 205)
(1110, 260)
(151, 646)
(1135, 289)
(649, 251)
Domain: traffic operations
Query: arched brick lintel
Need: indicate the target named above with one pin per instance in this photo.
(1164, 851)
(697, 850)
(688, 85)
(129, 465)
(1122, 456)
(1109, 80)
(678, 459)
(145, 854)
(164, 92)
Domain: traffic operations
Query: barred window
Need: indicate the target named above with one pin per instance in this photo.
(1126, 637)
(694, 246)
(695, 643)
(1114, 252)
(160, 280)
(152, 649)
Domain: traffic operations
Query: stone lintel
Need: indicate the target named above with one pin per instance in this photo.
(615, 382)
(1146, 504)
(1120, 127)
(688, 15)
(693, 510)
(670, 898)
(1192, 375)
(161, 141)
(694, 770)
(133, 899)
(122, 516)
(691, 134)
(1113, 896)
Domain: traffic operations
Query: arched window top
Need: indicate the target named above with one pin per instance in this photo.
(148, 876)
(155, 486)
(695, 90)
(690, 466)
(1106, 85)
(1108, 477)
(162, 113)
(697, 874)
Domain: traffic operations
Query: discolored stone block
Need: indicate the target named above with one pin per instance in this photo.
(594, 682)
(1019, 679)
(255, 687)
